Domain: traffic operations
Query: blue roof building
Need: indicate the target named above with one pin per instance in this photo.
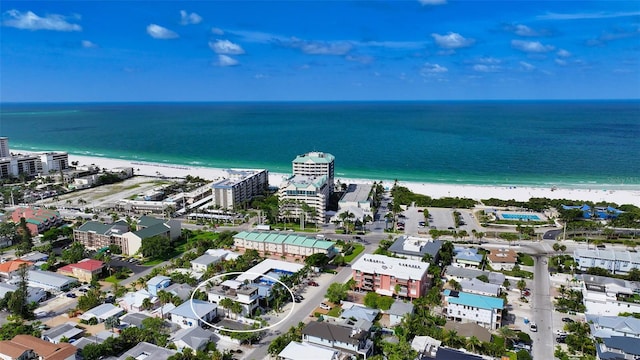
(602, 213)
(156, 283)
(484, 310)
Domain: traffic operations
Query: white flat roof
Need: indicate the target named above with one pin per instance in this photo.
(266, 266)
(400, 268)
(305, 351)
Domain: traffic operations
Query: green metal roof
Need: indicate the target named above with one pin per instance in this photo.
(288, 239)
(95, 226)
(324, 158)
(147, 221)
(157, 229)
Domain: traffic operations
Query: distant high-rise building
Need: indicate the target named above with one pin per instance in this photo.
(4, 147)
(315, 164)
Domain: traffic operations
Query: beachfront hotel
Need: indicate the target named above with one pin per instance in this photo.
(14, 165)
(391, 276)
(315, 164)
(241, 186)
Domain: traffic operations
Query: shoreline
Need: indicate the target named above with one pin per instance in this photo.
(597, 193)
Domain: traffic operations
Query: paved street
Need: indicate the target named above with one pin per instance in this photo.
(542, 311)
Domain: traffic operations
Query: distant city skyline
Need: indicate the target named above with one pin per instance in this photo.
(318, 51)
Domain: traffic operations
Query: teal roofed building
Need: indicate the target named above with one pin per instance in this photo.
(485, 311)
(295, 245)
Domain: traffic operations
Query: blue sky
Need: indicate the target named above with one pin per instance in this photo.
(318, 50)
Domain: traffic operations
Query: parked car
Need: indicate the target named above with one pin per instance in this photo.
(71, 295)
(568, 320)
(561, 339)
(313, 283)
(325, 306)
(533, 327)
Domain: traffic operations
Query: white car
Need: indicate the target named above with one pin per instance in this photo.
(325, 306)
(533, 327)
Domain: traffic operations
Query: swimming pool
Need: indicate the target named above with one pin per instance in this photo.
(528, 217)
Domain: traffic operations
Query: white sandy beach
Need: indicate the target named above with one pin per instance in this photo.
(477, 192)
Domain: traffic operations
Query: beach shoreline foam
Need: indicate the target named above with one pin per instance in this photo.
(597, 193)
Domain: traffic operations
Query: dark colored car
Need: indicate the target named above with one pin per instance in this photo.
(313, 283)
(71, 295)
(561, 339)
(567, 320)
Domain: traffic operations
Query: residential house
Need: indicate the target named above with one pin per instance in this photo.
(245, 295)
(476, 286)
(133, 301)
(398, 310)
(343, 338)
(68, 331)
(483, 310)
(304, 351)
(608, 296)
(616, 262)
(23, 347)
(50, 281)
(34, 294)
(35, 256)
(426, 346)
(194, 338)
(201, 263)
(193, 313)
(618, 347)
(98, 338)
(469, 330)
(391, 276)
(10, 268)
(502, 258)
(102, 312)
(85, 270)
(459, 273)
(467, 258)
(608, 326)
(274, 243)
(416, 248)
(183, 291)
(223, 254)
(147, 351)
(38, 220)
(356, 312)
(133, 319)
(158, 282)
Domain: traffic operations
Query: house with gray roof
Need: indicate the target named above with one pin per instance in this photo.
(192, 313)
(344, 338)
(147, 351)
(359, 312)
(102, 312)
(609, 296)
(608, 326)
(183, 291)
(98, 338)
(458, 274)
(467, 258)
(63, 331)
(34, 294)
(415, 248)
(133, 319)
(618, 348)
(201, 263)
(616, 262)
(398, 310)
(50, 281)
(35, 256)
(475, 286)
(194, 338)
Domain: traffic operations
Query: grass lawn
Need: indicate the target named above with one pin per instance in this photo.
(152, 262)
(525, 259)
(335, 312)
(112, 279)
(358, 248)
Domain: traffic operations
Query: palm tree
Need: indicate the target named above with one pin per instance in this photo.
(112, 322)
(226, 303)
(473, 344)
(508, 334)
(521, 285)
(236, 308)
(165, 298)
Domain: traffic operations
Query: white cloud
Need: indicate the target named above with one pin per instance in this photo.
(489, 60)
(363, 59)
(226, 47)
(217, 31)
(432, 2)
(224, 61)
(188, 19)
(88, 44)
(452, 40)
(485, 68)
(526, 66)
(159, 32)
(429, 69)
(563, 53)
(316, 47)
(531, 46)
(260, 76)
(30, 21)
(524, 30)
(561, 62)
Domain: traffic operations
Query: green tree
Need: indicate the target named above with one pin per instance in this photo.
(521, 285)
(111, 323)
(89, 300)
(74, 253)
(336, 293)
(17, 302)
(156, 247)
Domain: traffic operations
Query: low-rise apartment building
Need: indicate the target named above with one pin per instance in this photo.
(485, 311)
(608, 326)
(38, 220)
(348, 339)
(415, 248)
(85, 270)
(608, 296)
(244, 294)
(616, 262)
(23, 347)
(391, 276)
(283, 244)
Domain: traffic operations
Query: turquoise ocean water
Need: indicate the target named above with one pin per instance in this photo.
(581, 143)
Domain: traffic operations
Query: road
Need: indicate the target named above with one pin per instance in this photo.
(543, 345)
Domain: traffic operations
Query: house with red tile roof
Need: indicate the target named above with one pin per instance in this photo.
(84, 270)
(9, 269)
